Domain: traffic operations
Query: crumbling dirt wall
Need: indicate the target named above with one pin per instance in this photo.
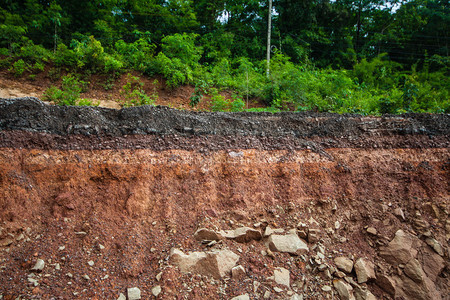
(140, 181)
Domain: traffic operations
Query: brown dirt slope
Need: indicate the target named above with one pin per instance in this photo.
(103, 197)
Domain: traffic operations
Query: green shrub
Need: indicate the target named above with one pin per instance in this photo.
(65, 56)
(18, 68)
(136, 55)
(134, 93)
(237, 104)
(68, 95)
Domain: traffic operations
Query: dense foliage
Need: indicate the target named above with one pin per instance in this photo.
(365, 56)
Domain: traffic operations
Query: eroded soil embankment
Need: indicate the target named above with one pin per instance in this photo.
(103, 215)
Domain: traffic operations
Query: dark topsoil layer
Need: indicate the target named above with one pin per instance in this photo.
(30, 123)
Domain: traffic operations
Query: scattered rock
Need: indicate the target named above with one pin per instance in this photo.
(238, 272)
(296, 297)
(241, 297)
(158, 276)
(431, 262)
(207, 234)
(344, 263)
(39, 266)
(371, 230)
(242, 234)
(85, 276)
(399, 213)
(269, 231)
(134, 293)
(365, 270)
(387, 284)
(313, 235)
(122, 297)
(91, 263)
(400, 250)
(344, 289)
(363, 294)
(413, 270)
(156, 290)
(326, 288)
(277, 289)
(216, 263)
(435, 246)
(6, 242)
(282, 276)
(289, 243)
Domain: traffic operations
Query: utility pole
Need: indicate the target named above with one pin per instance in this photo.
(269, 31)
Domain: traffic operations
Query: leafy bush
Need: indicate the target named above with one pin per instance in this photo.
(178, 60)
(90, 56)
(65, 56)
(68, 95)
(136, 55)
(34, 53)
(134, 93)
(18, 68)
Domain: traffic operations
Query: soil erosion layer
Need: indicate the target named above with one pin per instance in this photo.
(152, 202)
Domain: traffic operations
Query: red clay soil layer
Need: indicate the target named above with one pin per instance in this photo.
(77, 192)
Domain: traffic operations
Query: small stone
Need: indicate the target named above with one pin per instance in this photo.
(58, 267)
(337, 225)
(6, 242)
(91, 263)
(216, 263)
(365, 270)
(62, 248)
(371, 230)
(39, 266)
(241, 297)
(85, 276)
(256, 286)
(339, 274)
(313, 235)
(122, 297)
(277, 289)
(134, 293)
(296, 297)
(269, 231)
(238, 272)
(20, 237)
(101, 247)
(267, 295)
(435, 246)
(81, 233)
(413, 270)
(344, 289)
(282, 276)
(289, 243)
(207, 234)
(399, 213)
(326, 288)
(69, 275)
(344, 263)
(33, 281)
(156, 290)
(158, 276)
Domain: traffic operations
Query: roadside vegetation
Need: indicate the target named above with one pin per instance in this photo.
(341, 56)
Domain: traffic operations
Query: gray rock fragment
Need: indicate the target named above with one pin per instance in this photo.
(134, 293)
